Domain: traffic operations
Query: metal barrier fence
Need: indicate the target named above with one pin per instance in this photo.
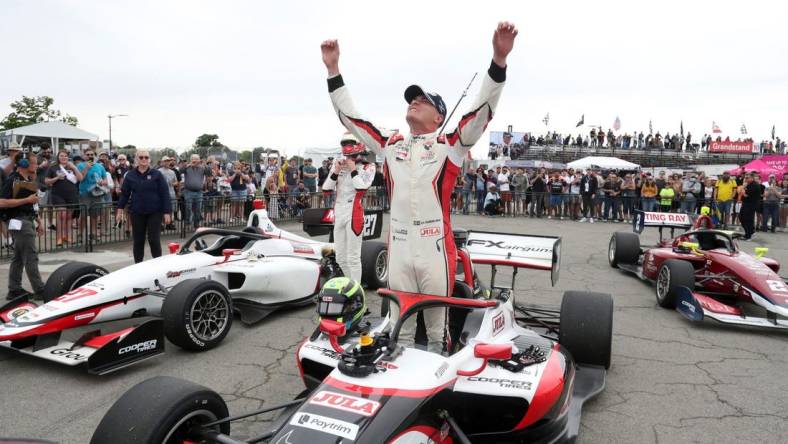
(82, 228)
(574, 207)
(77, 227)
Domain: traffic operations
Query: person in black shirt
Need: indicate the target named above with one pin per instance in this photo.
(19, 201)
(147, 193)
(749, 203)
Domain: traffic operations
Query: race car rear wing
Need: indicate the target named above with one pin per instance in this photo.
(515, 250)
(645, 219)
(320, 221)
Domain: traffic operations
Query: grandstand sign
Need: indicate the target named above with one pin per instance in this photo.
(731, 147)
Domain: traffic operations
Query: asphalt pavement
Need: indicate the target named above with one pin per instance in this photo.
(670, 381)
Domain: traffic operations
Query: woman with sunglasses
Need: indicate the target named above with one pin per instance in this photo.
(149, 195)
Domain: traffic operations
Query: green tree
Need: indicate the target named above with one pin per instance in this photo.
(30, 110)
(245, 156)
(208, 140)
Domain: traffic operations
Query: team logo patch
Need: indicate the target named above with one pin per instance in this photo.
(430, 231)
(347, 403)
(498, 322)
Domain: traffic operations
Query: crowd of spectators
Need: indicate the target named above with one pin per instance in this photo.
(597, 138)
(203, 191)
(612, 196)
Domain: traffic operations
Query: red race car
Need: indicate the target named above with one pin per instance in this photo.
(703, 273)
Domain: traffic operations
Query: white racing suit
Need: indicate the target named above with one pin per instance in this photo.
(349, 215)
(420, 173)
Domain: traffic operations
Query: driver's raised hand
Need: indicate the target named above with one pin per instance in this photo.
(503, 42)
(330, 51)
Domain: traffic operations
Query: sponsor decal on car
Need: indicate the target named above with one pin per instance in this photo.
(174, 274)
(302, 248)
(323, 351)
(347, 403)
(500, 244)
(498, 323)
(503, 383)
(401, 231)
(84, 316)
(325, 424)
(441, 370)
(68, 354)
(425, 222)
(139, 347)
(430, 231)
(689, 306)
(679, 218)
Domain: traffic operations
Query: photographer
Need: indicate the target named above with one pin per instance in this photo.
(19, 204)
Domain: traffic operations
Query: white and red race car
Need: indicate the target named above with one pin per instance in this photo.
(190, 297)
(509, 373)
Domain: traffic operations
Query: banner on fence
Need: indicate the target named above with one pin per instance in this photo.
(779, 163)
(731, 147)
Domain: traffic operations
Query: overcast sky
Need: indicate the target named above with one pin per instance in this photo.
(251, 71)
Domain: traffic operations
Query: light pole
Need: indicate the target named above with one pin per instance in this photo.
(110, 117)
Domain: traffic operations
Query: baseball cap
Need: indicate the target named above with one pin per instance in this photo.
(435, 99)
(165, 158)
(507, 134)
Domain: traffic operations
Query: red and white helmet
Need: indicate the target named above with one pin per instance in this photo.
(351, 146)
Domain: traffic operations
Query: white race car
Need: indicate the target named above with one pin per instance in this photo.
(191, 294)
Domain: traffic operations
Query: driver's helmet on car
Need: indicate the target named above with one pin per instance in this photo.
(342, 300)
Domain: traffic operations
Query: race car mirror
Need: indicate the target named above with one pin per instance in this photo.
(173, 247)
(227, 252)
(497, 352)
(333, 330)
(760, 252)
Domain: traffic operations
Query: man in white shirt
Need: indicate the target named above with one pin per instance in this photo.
(506, 194)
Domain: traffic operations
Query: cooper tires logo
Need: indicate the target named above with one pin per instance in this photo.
(139, 347)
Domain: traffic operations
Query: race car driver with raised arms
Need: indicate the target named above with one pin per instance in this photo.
(421, 170)
(350, 177)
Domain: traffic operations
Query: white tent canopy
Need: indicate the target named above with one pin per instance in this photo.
(605, 163)
(54, 131)
(60, 130)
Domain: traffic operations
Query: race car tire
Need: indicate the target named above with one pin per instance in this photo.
(70, 276)
(624, 248)
(197, 314)
(160, 409)
(673, 273)
(374, 264)
(586, 327)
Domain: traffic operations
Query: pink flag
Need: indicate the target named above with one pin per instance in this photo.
(617, 124)
(715, 128)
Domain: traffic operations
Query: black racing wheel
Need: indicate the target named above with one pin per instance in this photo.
(586, 327)
(71, 276)
(161, 410)
(673, 273)
(197, 314)
(624, 248)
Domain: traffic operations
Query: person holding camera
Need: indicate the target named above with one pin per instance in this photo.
(19, 205)
(350, 177)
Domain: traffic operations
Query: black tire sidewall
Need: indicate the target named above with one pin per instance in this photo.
(64, 277)
(682, 274)
(370, 251)
(176, 312)
(147, 411)
(627, 248)
(586, 327)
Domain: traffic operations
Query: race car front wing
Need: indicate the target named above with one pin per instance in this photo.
(101, 354)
